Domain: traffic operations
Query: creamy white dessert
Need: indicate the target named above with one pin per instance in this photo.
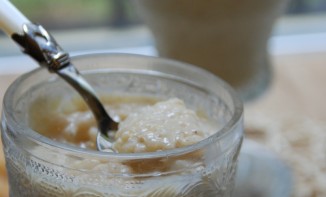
(143, 126)
(146, 124)
(165, 125)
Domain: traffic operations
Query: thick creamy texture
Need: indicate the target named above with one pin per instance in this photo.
(165, 125)
(143, 125)
(146, 124)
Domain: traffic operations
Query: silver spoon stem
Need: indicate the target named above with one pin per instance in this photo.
(71, 75)
(40, 45)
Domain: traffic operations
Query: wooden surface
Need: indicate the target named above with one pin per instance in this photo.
(298, 88)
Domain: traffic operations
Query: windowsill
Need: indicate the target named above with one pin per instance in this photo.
(301, 24)
(293, 35)
(90, 39)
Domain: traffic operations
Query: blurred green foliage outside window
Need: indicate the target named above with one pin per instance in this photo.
(67, 14)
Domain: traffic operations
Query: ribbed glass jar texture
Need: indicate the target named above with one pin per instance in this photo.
(39, 166)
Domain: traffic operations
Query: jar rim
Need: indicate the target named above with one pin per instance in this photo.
(8, 108)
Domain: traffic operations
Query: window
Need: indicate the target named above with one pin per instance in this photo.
(306, 6)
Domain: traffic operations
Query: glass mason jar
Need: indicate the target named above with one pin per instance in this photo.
(39, 166)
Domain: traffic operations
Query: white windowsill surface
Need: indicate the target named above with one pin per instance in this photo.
(292, 35)
(279, 45)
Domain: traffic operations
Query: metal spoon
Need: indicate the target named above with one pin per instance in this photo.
(41, 46)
